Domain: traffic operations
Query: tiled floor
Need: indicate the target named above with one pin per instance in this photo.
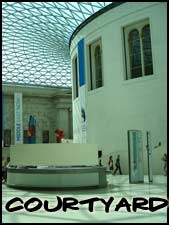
(118, 187)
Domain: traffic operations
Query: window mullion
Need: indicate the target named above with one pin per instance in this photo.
(141, 49)
(93, 68)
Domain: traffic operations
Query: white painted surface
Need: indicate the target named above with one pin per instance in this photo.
(54, 154)
(121, 104)
(53, 180)
(118, 187)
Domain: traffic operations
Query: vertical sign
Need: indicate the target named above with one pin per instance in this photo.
(136, 170)
(82, 89)
(18, 118)
(149, 156)
(2, 120)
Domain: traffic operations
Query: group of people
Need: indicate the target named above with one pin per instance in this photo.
(117, 164)
(118, 167)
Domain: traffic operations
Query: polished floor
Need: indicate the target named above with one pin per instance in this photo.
(118, 187)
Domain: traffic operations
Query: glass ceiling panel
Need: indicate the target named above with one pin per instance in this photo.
(35, 40)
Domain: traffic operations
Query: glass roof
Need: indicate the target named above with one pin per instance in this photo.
(35, 40)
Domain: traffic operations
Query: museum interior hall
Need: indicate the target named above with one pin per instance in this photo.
(84, 112)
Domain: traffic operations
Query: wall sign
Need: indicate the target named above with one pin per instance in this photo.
(18, 118)
(2, 120)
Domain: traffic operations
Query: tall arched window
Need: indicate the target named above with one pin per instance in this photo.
(95, 78)
(147, 53)
(98, 66)
(134, 53)
(138, 50)
(75, 77)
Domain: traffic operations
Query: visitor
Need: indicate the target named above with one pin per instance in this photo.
(110, 164)
(164, 158)
(118, 167)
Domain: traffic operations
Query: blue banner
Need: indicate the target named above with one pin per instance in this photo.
(2, 120)
(82, 90)
(81, 62)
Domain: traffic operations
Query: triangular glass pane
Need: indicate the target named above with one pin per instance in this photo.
(73, 6)
(85, 8)
(27, 5)
(66, 12)
(61, 5)
(44, 11)
(78, 16)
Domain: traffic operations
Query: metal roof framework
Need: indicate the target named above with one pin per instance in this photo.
(35, 41)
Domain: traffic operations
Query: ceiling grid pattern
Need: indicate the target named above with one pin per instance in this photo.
(35, 41)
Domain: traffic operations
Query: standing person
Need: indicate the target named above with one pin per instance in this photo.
(4, 165)
(110, 164)
(164, 158)
(100, 162)
(5, 169)
(118, 165)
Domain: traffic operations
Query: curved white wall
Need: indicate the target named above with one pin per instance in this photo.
(122, 105)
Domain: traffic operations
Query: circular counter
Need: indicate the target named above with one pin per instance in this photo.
(56, 177)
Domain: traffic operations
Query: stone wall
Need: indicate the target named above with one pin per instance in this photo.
(51, 113)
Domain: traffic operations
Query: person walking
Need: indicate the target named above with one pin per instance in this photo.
(118, 167)
(4, 169)
(110, 164)
(4, 165)
(164, 158)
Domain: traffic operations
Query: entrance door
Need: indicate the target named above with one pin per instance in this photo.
(135, 150)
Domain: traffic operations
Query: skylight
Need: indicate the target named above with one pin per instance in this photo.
(35, 39)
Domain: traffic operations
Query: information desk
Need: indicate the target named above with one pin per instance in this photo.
(56, 177)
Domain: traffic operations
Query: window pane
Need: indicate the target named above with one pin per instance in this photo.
(146, 31)
(25, 137)
(133, 35)
(135, 60)
(98, 66)
(147, 57)
(7, 137)
(135, 54)
(147, 53)
(135, 46)
(76, 78)
(99, 83)
(136, 72)
(148, 69)
(45, 136)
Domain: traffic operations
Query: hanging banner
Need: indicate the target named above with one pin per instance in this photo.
(18, 118)
(2, 120)
(32, 130)
(82, 89)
